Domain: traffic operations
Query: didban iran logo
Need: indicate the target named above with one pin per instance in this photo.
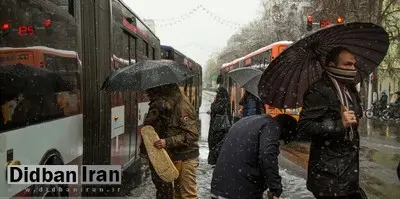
(64, 174)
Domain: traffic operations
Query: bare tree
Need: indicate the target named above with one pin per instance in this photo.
(385, 13)
(212, 68)
(279, 21)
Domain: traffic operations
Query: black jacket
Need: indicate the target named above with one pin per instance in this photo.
(248, 161)
(333, 166)
(220, 106)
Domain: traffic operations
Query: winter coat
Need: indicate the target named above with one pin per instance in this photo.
(248, 161)
(251, 105)
(219, 107)
(174, 119)
(333, 166)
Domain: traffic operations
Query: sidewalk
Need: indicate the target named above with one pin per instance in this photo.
(209, 92)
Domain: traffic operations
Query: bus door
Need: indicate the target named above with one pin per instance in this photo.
(131, 106)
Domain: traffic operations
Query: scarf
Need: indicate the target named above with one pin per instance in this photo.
(342, 75)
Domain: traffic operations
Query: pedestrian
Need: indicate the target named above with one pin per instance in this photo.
(248, 162)
(383, 101)
(174, 119)
(251, 105)
(219, 122)
(329, 118)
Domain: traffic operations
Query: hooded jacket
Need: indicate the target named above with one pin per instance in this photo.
(174, 119)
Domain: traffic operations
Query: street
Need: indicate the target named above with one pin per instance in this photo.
(294, 185)
(379, 156)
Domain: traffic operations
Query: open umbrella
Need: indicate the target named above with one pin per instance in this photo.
(287, 77)
(19, 78)
(247, 78)
(146, 74)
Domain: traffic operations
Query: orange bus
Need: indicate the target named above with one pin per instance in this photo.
(258, 59)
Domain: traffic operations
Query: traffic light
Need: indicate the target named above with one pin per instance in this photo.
(4, 29)
(48, 27)
(340, 20)
(309, 23)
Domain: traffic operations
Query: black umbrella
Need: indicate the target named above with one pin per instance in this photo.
(19, 78)
(287, 77)
(146, 74)
(247, 78)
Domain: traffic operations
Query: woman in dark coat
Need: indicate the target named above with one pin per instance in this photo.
(220, 106)
(252, 105)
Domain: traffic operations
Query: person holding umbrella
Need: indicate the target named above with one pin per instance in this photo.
(174, 119)
(251, 105)
(172, 116)
(319, 74)
(333, 128)
(248, 79)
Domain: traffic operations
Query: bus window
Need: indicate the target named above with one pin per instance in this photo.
(68, 69)
(146, 53)
(28, 108)
(267, 57)
(132, 50)
(67, 5)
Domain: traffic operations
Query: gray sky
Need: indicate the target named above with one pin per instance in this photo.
(199, 35)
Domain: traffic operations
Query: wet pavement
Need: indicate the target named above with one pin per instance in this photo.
(293, 176)
(379, 157)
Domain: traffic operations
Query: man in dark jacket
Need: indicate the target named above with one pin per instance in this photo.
(248, 162)
(329, 117)
(174, 119)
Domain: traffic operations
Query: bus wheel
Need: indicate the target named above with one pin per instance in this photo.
(52, 157)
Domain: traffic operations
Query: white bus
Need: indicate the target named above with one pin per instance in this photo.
(47, 128)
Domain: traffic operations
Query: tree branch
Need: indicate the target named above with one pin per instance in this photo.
(389, 13)
(387, 7)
